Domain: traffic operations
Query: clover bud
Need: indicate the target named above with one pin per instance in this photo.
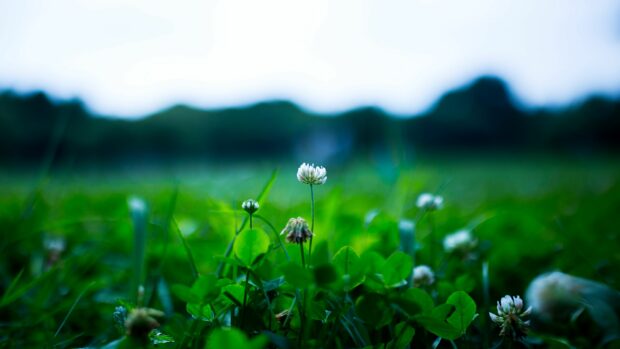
(429, 202)
(250, 206)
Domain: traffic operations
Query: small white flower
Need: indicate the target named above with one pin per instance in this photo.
(54, 244)
(423, 276)
(136, 205)
(429, 202)
(461, 240)
(510, 317)
(250, 206)
(310, 174)
(406, 225)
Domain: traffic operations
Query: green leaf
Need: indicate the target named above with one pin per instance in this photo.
(465, 283)
(371, 262)
(325, 274)
(158, 337)
(404, 334)
(374, 310)
(347, 262)
(438, 327)
(222, 338)
(296, 275)
(465, 310)
(442, 311)
(184, 293)
(414, 301)
(250, 244)
(200, 312)
(234, 293)
(397, 268)
(206, 288)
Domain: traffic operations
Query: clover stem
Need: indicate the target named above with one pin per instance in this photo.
(311, 223)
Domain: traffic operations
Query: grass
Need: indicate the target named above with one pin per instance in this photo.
(200, 265)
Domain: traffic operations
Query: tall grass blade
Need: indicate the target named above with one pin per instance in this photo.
(77, 300)
(138, 210)
(188, 251)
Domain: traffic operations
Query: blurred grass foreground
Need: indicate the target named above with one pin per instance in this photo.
(122, 234)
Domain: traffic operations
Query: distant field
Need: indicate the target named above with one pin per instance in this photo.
(529, 216)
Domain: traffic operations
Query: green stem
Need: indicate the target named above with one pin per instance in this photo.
(250, 221)
(302, 313)
(432, 243)
(245, 293)
(311, 224)
(486, 300)
(187, 336)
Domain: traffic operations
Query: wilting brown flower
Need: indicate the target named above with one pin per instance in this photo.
(141, 321)
(297, 231)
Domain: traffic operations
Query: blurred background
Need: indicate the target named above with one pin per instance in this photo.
(103, 84)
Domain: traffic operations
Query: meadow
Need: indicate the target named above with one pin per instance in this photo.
(151, 258)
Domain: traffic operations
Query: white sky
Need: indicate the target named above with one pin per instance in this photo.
(131, 57)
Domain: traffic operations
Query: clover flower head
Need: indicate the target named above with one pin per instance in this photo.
(250, 206)
(510, 316)
(557, 298)
(423, 276)
(297, 231)
(429, 202)
(136, 204)
(310, 174)
(54, 244)
(461, 240)
(141, 321)
(120, 316)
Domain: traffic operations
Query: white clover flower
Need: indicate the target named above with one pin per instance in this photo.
(461, 240)
(310, 174)
(136, 204)
(54, 244)
(250, 206)
(297, 231)
(423, 276)
(557, 297)
(429, 202)
(510, 316)
(406, 225)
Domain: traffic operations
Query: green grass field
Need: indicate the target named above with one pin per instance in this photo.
(527, 217)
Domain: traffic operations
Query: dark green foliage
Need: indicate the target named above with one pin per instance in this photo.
(356, 294)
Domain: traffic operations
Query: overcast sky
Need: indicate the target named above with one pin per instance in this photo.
(132, 57)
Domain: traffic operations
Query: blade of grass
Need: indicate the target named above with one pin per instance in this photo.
(13, 284)
(48, 159)
(77, 300)
(190, 256)
(158, 279)
(139, 214)
(20, 291)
